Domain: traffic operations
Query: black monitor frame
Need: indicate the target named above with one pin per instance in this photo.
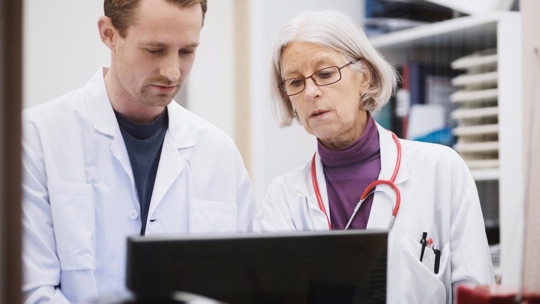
(299, 267)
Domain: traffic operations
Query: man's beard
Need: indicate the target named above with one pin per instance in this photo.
(147, 97)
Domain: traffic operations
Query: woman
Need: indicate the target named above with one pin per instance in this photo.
(329, 78)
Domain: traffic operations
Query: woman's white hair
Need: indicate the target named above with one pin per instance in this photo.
(338, 32)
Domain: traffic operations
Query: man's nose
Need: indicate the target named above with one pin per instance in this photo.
(171, 69)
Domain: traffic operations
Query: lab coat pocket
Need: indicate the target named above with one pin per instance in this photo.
(73, 214)
(212, 216)
(419, 283)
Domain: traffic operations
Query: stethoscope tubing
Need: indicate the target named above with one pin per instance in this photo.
(367, 191)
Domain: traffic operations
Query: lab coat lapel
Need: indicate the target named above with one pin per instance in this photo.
(304, 185)
(381, 209)
(104, 121)
(175, 154)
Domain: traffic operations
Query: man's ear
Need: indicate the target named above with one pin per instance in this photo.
(107, 31)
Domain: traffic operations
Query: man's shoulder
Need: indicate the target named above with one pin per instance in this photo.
(56, 108)
(201, 129)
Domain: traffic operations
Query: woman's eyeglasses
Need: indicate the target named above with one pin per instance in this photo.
(322, 77)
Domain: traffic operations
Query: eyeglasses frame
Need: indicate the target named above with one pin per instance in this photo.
(282, 90)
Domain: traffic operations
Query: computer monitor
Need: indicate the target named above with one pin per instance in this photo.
(301, 267)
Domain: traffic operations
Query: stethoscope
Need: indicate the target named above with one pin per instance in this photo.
(367, 191)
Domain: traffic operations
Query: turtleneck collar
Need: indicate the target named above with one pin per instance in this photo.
(364, 149)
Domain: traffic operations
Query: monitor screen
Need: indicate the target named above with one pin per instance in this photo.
(301, 267)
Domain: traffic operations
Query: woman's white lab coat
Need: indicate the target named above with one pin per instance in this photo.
(438, 196)
(80, 201)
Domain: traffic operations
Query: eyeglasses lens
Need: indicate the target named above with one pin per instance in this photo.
(321, 77)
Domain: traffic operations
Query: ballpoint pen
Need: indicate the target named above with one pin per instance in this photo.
(437, 252)
(423, 241)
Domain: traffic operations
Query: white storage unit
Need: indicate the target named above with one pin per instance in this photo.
(478, 112)
(443, 43)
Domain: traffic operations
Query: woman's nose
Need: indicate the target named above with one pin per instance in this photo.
(311, 90)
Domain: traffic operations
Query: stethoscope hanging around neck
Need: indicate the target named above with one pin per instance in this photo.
(369, 189)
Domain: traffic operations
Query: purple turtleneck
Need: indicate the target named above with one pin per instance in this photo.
(348, 172)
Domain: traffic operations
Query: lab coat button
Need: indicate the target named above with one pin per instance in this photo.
(133, 214)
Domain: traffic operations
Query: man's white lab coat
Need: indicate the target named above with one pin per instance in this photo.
(80, 201)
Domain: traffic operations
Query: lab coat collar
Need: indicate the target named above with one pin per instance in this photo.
(380, 213)
(179, 128)
(175, 154)
(381, 208)
(304, 186)
(389, 157)
(99, 105)
(176, 145)
(104, 120)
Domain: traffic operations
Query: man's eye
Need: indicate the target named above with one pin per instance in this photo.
(154, 51)
(187, 52)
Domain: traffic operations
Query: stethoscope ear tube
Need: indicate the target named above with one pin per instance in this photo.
(317, 192)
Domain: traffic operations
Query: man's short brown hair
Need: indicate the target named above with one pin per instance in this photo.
(122, 12)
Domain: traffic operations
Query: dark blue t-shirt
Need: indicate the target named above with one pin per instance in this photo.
(143, 144)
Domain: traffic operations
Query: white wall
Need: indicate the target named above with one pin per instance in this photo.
(276, 151)
(62, 49)
(210, 88)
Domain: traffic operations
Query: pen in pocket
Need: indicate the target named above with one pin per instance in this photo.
(437, 253)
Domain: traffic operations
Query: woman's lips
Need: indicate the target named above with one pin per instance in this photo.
(317, 113)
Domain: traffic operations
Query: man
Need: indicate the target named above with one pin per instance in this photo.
(118, 158)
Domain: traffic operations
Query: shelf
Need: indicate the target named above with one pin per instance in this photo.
(472, 96)
(485, 174)
(475, 113)
(476, 27)
(476, 130)
(489, 106)
(473, 61)
(482, 163)
(483, 146)
(476, 79)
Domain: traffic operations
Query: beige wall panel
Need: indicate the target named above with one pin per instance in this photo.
(531, 126)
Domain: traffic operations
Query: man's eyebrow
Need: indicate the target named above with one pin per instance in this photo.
(163, 45)
(191, 45)
(154, 44)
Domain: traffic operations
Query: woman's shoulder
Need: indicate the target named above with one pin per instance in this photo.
(426, 150)
(291, 180)
(423, 157)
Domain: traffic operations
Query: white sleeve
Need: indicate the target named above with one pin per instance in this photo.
(471, 258)
(44, 295)
(41, 266)
(274, 214)
(246, 205)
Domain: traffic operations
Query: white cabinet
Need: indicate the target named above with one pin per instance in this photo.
(442, 43)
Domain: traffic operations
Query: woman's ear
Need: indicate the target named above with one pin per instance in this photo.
(107, 31)
(366, 77)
